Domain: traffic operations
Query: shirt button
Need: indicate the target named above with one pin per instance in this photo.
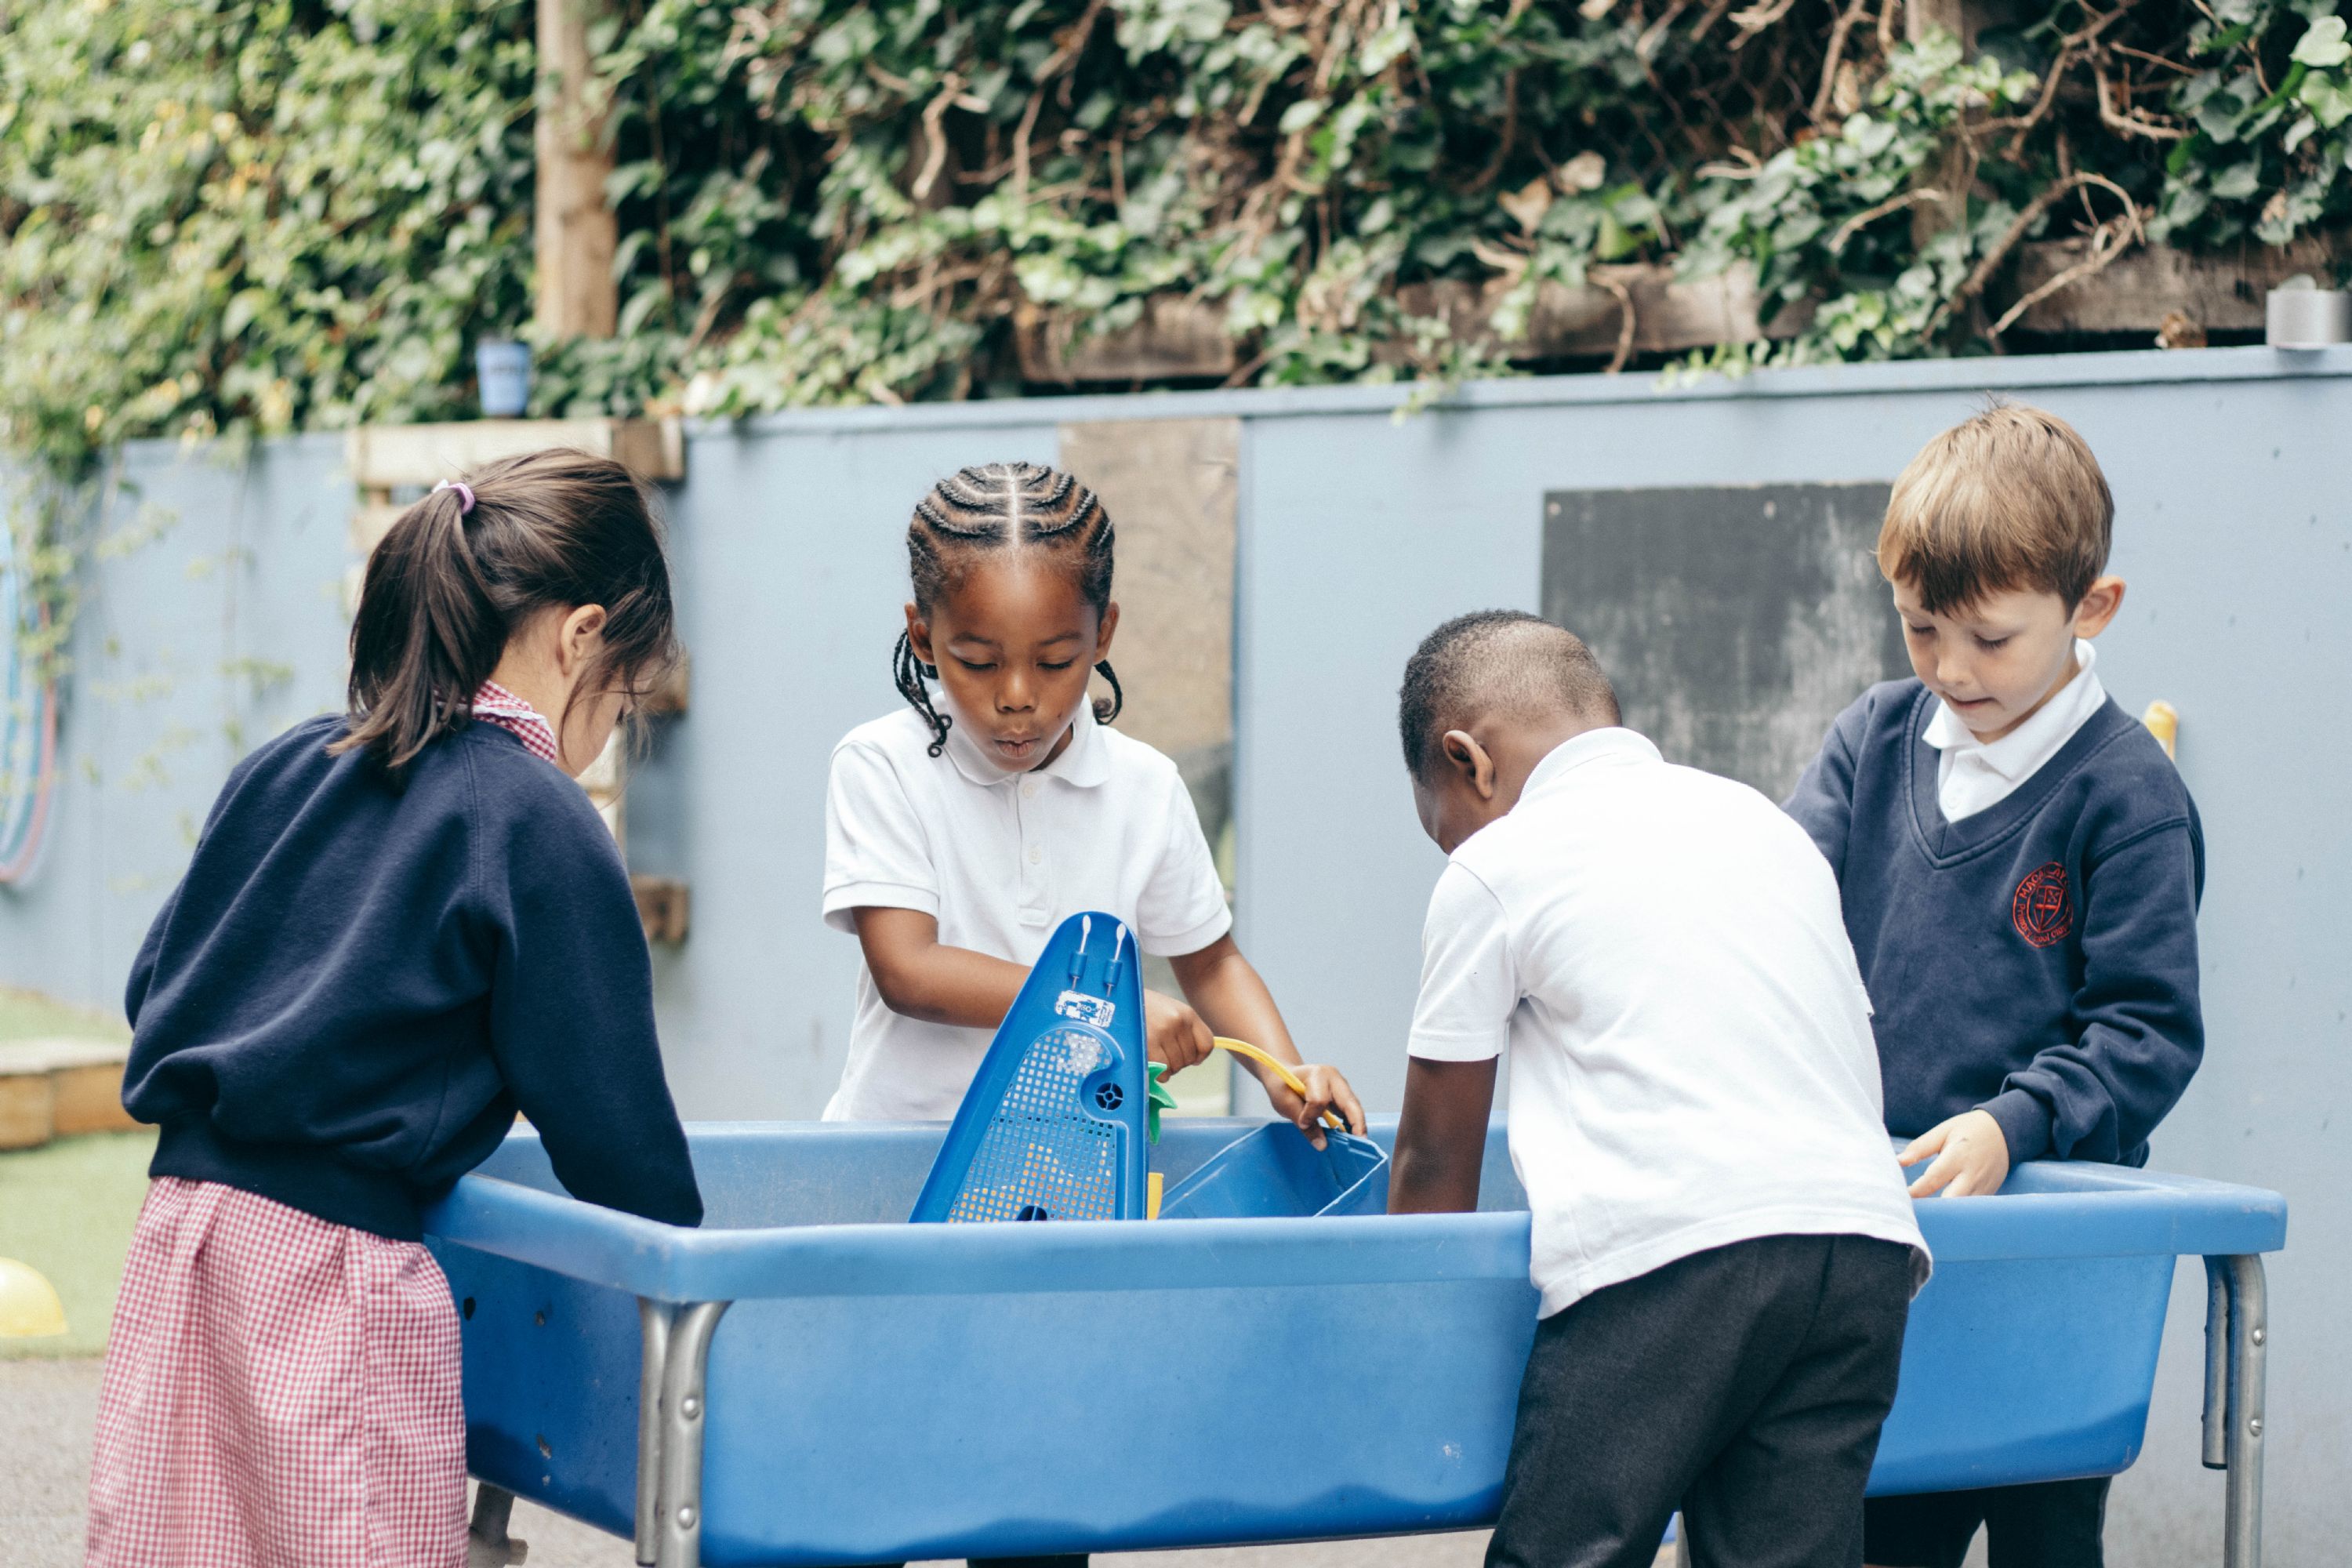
(1036, 854)
(1029, 792)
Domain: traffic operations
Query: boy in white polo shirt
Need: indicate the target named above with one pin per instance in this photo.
(1721, 1239)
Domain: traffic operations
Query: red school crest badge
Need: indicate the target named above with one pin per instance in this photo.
(2042, 909)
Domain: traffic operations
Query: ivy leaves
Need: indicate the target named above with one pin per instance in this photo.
(2269, 151)
(2325, 89)
(235, 219)
(255, 215)
(1829, 224)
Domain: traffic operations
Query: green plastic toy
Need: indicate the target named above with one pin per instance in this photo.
(1157, 1099)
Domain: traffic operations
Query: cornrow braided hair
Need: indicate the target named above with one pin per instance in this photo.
(997, 506)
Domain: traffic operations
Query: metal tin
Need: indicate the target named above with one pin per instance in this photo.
(2308, 318)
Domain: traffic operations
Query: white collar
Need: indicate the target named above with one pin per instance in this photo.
(2023, 749)
(1593, 745)
(1085, 762)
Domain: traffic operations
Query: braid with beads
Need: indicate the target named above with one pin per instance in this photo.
(996, 506)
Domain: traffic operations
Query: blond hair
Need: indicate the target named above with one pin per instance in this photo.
(2011, 499)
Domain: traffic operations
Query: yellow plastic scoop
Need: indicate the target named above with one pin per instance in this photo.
(29, 1308)
(1281, 1070)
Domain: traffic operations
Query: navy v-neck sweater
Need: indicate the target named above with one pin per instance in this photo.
(2037, 959)
(354, 986)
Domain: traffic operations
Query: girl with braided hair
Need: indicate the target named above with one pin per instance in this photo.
(962, 829)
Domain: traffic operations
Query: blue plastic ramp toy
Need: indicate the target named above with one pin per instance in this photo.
(1052, 1127)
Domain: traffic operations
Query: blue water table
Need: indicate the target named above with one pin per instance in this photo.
(809, 1378)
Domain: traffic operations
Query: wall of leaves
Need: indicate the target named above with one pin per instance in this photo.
(233, 217)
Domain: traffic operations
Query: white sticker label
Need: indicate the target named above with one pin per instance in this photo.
(1086, 1009)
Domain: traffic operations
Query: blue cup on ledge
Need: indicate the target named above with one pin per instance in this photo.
(502, 368)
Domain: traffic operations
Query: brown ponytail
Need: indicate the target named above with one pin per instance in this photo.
(450, 584)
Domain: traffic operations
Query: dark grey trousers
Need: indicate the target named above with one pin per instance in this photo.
(2045, 1524)
(1745, 1385)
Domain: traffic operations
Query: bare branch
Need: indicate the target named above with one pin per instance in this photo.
(1758, 17)
(936, 158)
(2035, 209)
(2169, 65)
(1747, 168)
(1073, 45)
(1835, 53)
(1510, 134)
(1624, 323)
(2131, 123)
(1871, 214)
(2108, 241)
(1646, 45)
(2022, 123)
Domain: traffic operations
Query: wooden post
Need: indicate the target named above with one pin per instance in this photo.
(575, 232)
(1956, 18)
(1954, 169)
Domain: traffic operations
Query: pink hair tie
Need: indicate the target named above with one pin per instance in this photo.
(465, 494)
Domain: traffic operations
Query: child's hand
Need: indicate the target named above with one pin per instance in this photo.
(1971, 1157)
(1325, 1090)
(1173, 1032)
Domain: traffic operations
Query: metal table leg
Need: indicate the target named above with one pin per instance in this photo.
(654, 1321)
(2216, 1363)
(2237, 1339)
(678, 1512)
(488, 1544)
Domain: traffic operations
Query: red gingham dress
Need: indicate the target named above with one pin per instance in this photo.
(494, 704)
(282, 1391)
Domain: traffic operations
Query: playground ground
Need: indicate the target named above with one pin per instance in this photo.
(48, 1405)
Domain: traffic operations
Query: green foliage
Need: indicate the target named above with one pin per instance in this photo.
(2270, 147)
(233, 217)
(245, 215)
(237, 217)
(1812, 218)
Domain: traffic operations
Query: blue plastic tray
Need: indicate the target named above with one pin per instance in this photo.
(862, 1353)
(1274, 1173)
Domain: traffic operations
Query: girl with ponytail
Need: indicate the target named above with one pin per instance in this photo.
(962, 829)
(400, 925)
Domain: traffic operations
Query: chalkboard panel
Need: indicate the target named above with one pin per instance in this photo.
(1737, 622)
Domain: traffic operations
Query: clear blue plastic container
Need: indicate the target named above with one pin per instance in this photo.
(881, 1392)
(502, 372)
(1274, 1173)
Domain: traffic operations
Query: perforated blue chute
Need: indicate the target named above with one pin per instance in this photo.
(1052, 1127)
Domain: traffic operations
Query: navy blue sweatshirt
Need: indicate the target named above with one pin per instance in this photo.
(2037, 959)
(355, 986)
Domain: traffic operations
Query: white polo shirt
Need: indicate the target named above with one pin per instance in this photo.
(1000, 859)
(1973, 775)
(1662, 953)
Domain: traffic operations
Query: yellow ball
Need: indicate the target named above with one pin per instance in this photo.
(29, 1308)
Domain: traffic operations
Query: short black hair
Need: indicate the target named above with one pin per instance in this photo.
(1496, 660)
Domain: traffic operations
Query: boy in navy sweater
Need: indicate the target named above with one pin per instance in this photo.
(2020, 868)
